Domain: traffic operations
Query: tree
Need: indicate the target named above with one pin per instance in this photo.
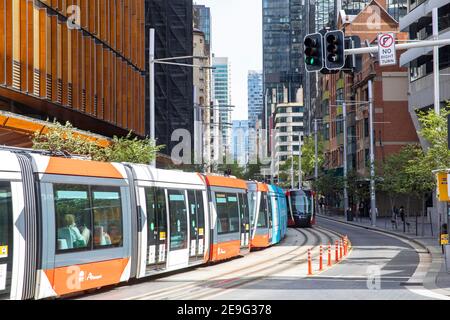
(308, 160)
(66, 139)
(400, 175)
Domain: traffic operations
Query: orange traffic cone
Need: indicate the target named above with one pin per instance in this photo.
(337, 251)
(329, 254)
(321, 259)
(309, 263)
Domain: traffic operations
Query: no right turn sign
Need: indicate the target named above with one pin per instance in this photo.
(387, 54)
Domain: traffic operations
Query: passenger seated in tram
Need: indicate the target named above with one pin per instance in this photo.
(69, 236)
(101, 238)
(115, 234)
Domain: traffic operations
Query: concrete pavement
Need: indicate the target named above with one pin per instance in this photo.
(437, 279)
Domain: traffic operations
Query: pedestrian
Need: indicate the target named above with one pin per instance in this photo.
(402, 213)
(370, 213)
(395, 213)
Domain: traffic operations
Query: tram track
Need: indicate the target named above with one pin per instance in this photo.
(283, 265)
(244, 275)
(160, 292)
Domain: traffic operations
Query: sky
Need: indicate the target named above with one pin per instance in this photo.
(237, 34)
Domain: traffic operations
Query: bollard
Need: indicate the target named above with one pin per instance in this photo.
(321, 259)
(309, 263)
(345, 246)
(329, 254)
(337, 251)
(340, 249)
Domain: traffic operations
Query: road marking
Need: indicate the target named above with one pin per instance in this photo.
(419, 274)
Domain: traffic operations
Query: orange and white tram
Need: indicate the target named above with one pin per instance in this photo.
(69, 225)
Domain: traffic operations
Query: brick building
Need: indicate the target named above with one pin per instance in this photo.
(393, 124)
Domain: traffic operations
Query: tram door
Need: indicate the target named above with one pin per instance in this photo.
(245, 220)
(197, 225)
(6, 240)
(270, 215)
(157, 229)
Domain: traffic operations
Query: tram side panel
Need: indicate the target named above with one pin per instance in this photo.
(175, 221)
(262, 234)
(86, 219)
(12, 229)
(229, 232)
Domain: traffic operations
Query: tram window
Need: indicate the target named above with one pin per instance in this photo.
(227, 213)
(107, 217)
(178, 220)
(160, 201)
(262, 215)
(243, 201)
(299, 204)
(73, 217)
(5, 215)
(201, 213)
(151, 213)
(87, 217)
(251, 205)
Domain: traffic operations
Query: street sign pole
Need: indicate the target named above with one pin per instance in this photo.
(344, 111)
(152, 89)
(373, 202)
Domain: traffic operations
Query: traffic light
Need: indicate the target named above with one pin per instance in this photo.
(353, 63)
(335, 50)
(314, 52)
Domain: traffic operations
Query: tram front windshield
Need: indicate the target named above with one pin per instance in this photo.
(301, 203)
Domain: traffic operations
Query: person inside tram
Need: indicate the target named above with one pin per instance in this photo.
(69, 236)
(114, 234)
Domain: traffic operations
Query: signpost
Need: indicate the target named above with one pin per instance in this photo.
(386, 49)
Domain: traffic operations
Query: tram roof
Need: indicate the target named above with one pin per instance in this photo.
(219, 181)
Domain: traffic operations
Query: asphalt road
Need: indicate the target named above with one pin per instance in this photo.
(378, 267)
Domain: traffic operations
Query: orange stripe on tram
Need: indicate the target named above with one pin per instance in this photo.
(84, 168)
(77, 278)
(263, 187)
(217, 181)
(225, 250)
(260, 241)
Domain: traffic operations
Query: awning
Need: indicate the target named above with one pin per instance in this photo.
(17, 130)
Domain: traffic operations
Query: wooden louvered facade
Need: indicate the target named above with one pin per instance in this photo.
(95, 74)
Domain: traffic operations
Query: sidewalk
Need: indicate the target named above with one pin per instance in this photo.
(437, 278)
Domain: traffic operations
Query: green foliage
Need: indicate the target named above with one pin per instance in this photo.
(64, 138)
(132, 150)
(329, 185)
(308, 161)
(410, 171)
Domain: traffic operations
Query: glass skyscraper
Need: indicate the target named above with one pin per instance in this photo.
(202, 21)
(221, 74)
(284, 28)
(255, 97)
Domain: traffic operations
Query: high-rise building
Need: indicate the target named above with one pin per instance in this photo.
(285, 24)
(202, 100)
(222, 92)
(174, 98)
(255, 97)
(240, 142)
(84, 66)
(290, 129)
(202, 21)
(418, 22)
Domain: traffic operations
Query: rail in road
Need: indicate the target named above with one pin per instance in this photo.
(213, 280)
